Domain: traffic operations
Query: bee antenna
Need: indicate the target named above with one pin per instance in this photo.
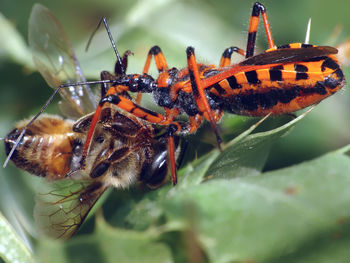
(119, 60)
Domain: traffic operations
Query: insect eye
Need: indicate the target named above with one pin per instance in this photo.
(155, 172)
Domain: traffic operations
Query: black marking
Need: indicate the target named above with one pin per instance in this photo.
(319, 88)
(163, 98)
(189, 51)
(250, 102)
(306, 45)
(255, 11)
(339, 74)
(283, 46)
(269, 99)
(329, 63)
(257, 8)
(155, 50)
(250, 44)
(172, 129)
(252, 77)
(219, 89)
(232, 81)
(301, 75)
(149, 112)
(300, 68)
(186, 102)
(331, 83)
(276, 73)
(228, 52)
(287, 95)
(114, 99)
(193, 83)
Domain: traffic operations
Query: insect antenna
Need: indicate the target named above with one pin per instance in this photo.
(119, 60)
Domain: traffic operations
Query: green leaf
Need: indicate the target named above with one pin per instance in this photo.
(12, 248)
(246, 155)
(281, 216)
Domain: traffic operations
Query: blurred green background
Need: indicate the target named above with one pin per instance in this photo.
(208, 25)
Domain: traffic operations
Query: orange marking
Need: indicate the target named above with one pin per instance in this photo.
(160, 62)
(263, 75)
(241, 78)
(147, 64)
(253, 24)
(295, 45)
(225, 62)
(226, 86)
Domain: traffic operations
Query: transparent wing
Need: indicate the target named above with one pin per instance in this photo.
(60, 211)
(55, 59)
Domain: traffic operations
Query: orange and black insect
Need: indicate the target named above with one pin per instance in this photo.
(281, 80)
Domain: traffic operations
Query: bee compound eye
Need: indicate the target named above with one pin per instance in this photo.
(154, 173)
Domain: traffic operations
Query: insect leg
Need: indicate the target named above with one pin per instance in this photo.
(226, 56)
(253, 27)
(172, 129)
(199, 93)
(160, 61)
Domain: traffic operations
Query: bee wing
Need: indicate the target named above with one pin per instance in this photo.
(289, 55)
(55, 59)
(60, 212)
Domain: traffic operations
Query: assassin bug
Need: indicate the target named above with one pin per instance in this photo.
(280, 80)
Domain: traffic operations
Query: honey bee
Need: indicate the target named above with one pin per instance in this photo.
(124, 151)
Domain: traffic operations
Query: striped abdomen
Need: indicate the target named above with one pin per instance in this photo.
(46, 147)
(280, 80)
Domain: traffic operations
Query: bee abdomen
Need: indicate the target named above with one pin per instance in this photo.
(45, 149)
